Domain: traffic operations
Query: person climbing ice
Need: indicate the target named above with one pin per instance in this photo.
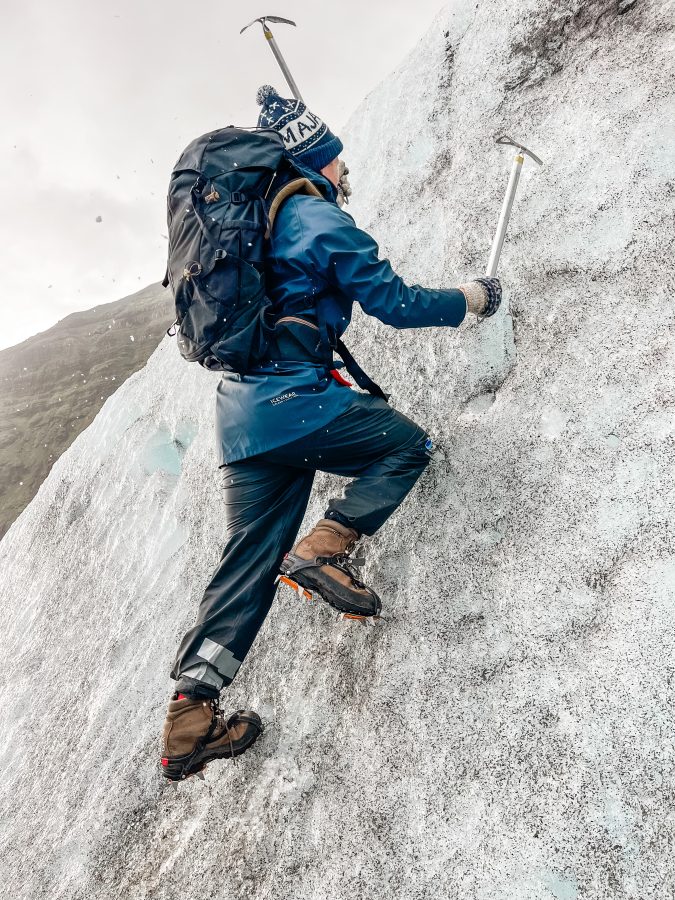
(293, 415)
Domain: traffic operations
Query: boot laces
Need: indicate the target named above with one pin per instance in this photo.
(348, 564)
(219, 719)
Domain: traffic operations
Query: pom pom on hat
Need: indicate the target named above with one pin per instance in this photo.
(264, 92)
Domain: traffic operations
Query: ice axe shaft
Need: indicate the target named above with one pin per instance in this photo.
(505, 215)
(284, 68)
(276, 51)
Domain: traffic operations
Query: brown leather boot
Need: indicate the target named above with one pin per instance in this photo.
(195, 732)
(321, 562)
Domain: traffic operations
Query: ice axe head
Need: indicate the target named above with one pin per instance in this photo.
(264, 19)
(276, 51)
(505, 139)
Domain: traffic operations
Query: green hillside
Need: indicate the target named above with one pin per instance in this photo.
(53, 384)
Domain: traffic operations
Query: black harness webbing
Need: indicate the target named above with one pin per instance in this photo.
(330, 341)
(364, 381)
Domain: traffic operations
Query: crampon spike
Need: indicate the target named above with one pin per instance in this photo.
(302, 592)
(201, 776)
(354, 617)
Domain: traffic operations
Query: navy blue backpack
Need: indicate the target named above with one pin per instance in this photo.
(223, 193)
(217, 204)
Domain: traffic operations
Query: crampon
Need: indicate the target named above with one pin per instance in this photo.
(353, 601)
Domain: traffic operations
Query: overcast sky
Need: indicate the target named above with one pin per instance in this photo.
(98, 100)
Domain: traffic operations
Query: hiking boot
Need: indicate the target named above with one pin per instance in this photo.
(195, 732)
(321, 562)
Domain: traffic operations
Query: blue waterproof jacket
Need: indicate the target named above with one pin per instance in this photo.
(316, 250)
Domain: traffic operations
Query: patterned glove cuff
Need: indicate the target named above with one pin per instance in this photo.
(493, 289)
(476, 297)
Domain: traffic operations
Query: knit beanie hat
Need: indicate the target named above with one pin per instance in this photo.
(305, 135)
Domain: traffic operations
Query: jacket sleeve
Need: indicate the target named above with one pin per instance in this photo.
(347, 258)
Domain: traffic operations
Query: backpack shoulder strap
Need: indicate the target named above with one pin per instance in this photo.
(297, 186)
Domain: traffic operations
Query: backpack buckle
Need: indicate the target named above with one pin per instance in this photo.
(192, 269)
(237, 197)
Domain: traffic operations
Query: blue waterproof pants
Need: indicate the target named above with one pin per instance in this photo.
(266, 497)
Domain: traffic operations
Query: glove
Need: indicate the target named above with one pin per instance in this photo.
(344, 187)
(483, 296)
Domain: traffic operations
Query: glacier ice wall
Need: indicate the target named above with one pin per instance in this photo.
(508, 733)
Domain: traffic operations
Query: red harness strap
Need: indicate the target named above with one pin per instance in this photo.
(340, 380)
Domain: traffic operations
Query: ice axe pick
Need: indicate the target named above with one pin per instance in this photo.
(505, 215)
(275, 49)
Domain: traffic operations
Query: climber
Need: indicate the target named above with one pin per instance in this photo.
(295, 415)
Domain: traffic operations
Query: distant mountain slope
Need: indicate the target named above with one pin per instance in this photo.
(53, 384)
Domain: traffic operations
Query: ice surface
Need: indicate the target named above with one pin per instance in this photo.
(508, 733)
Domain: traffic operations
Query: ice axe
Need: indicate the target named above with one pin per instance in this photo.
(275, 49)
(505, 215)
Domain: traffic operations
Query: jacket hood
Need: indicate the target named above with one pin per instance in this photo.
(297, 168)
